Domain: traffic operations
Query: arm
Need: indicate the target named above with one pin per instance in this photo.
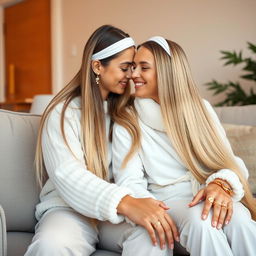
(133, 175)
(76, 185)
(215, 196)
(143, 209)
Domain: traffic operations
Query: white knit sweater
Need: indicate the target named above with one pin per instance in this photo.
(70, 183)
(157, 167)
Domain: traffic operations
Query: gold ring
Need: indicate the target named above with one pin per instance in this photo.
(157, 223)
(210, 199)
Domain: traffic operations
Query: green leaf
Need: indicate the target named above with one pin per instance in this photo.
(252, 47)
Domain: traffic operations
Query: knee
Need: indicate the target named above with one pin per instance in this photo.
(56, 243)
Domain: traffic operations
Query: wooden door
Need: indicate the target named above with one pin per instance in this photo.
(27, 49)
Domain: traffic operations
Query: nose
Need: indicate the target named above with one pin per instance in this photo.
(129, 73)
(135, 72)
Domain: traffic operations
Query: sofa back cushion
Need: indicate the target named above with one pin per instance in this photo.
(18, 190)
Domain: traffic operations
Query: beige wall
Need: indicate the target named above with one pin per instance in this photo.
(201, 27)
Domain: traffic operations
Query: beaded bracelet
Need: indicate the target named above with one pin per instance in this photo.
(227, 189)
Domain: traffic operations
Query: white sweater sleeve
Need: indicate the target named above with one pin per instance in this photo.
(133, 175)
(77, 186)
(222, 133)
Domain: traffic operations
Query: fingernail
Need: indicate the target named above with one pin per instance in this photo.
(204, 217)
(177, 239)
(163, 247)
(172, 246)
(226, 223)
(155, 243)
(219, 226)
(214, 224)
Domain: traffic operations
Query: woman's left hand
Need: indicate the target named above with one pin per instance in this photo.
(215, 197)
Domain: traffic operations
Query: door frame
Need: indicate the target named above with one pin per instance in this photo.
(56, 46)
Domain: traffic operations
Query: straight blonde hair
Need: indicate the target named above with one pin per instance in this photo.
(93, 131)
(188, 124)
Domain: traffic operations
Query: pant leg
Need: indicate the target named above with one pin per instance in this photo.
(241, 231)
(128, 240)
(63, 232)
(197, 235)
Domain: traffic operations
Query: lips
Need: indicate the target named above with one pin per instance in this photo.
(138, 84)
(123, 83)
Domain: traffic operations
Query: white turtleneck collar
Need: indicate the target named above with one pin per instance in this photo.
(149, 113)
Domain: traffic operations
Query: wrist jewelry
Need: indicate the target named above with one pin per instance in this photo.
(223, 185)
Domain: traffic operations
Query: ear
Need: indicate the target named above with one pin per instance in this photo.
(96, 66)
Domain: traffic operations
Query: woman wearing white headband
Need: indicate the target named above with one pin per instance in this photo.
(77, 197)
(184, 157)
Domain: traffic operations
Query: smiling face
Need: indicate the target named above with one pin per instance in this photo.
(116, 75)
(144, 75)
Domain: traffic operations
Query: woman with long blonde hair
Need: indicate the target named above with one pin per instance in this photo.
(77, 197)
(184, 158)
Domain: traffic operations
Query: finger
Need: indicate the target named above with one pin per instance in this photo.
(216, 213)
(161, 234)
(174, 229)
(229, 212)
(168, 232)
(223, 213)
(207, 206)
(151, 233)
(163, 205)
(199, 197)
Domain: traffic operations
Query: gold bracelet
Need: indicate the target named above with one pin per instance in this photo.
(227, 189)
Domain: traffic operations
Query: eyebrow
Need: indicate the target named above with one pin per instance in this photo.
(126, 63)
(142, 62)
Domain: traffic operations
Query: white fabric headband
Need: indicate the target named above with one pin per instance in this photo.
(162, 42)
(114, 48)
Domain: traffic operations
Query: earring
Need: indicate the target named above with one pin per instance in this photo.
(97, 79)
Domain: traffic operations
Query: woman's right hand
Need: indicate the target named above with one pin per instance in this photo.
(152, 215)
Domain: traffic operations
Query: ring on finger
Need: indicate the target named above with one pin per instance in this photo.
(218, 203)
(210, 199)
(157, 223)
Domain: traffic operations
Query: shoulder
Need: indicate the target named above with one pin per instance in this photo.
(71, 115)
(120, 132)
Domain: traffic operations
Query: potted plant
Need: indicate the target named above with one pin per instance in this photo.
(235, 94)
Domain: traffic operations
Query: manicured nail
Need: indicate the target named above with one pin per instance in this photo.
(163, 247)
(214, 224)
(177, 239)
(155, 243)
(204, 217)
(219, 226)
(172, 246)
(226, 223)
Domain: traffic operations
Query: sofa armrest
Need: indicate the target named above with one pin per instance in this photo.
(3, 241)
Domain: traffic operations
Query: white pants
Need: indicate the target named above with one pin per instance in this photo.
(238, 238)
(63, 232)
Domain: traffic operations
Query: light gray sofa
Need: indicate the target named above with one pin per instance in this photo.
(18, 190)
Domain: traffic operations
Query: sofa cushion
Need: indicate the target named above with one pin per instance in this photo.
(243, 142)
(18, 190)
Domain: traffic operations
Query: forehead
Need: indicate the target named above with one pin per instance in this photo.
(143, 55)
(125, 56)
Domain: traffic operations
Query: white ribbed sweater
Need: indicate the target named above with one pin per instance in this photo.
(70, 183)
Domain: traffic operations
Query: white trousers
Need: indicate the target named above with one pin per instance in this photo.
(64, 232)
(238, 238)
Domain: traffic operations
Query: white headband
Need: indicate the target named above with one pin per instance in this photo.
(114, 48)
(162, 42)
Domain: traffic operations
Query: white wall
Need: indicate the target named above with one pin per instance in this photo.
(201, 27)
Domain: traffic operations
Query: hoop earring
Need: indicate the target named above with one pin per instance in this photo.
(97, 79)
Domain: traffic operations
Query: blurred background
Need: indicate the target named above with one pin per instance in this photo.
(41, 41)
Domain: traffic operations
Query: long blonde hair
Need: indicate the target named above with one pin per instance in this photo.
(93, 132)
(188, 124)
